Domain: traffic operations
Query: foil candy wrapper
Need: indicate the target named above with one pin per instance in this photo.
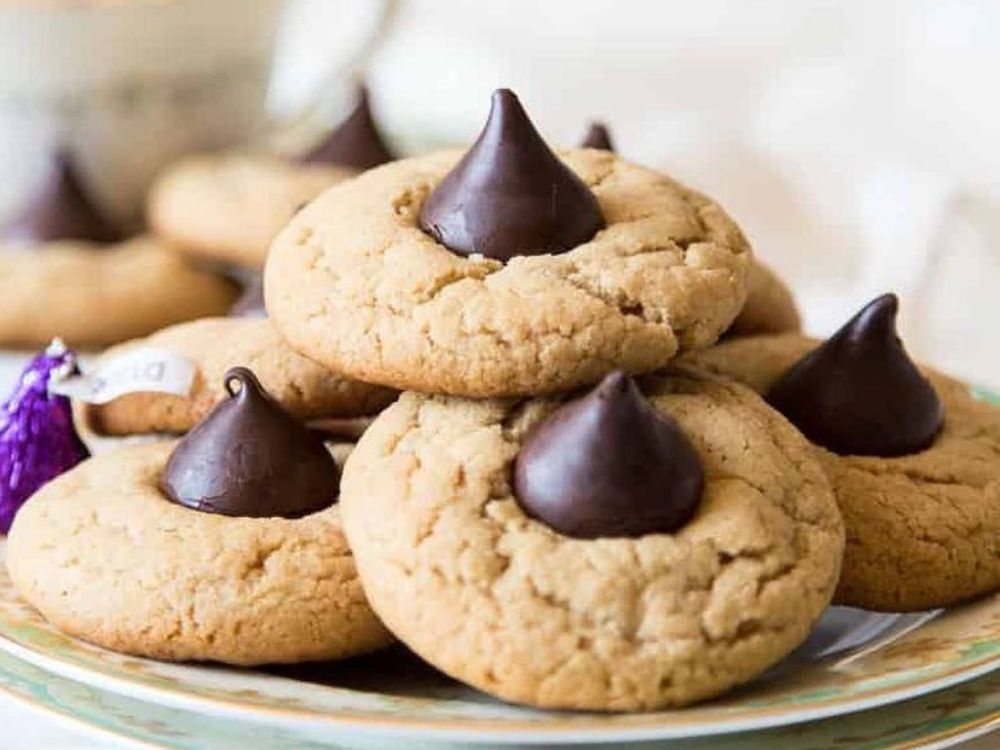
(38, 440)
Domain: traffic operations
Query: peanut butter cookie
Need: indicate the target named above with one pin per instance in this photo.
(303, 388)
(228, 208)
(226, 546)
(91, 296)
(603, 616)
(506, 271)
(923, 528)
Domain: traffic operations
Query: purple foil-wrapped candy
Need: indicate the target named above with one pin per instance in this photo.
(38, 441)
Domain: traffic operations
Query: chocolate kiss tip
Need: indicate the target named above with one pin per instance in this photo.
(251, 458)
(510, 195)
(598, 137)
(609, 465)
(875, 320)
(859, 392)
(355, 143)
(60, 210)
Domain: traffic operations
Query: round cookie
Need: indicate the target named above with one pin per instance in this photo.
(465, 578)
(229, 207)
(770, 305)
(355, 284)
(303, 388)
(94, 295)
(102, 554)
(923, 530)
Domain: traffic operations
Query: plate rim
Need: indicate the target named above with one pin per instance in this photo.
(937, 741)
(587, 728)
(75, 722)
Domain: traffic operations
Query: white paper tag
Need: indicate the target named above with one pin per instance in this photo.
(144, 370)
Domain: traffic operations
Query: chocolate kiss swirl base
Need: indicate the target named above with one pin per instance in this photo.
(859, 393)
(251, 458)
(355, 143)
(608, 465)
(510, 195)
(61, 210)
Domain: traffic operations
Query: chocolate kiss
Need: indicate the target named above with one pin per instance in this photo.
(608, 464)
(251, 458)
(60, 210)
(355, 143)
(859, 393)
(598, 137)
(251, 302)
(510, 195)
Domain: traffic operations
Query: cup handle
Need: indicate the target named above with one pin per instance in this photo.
(293, 132)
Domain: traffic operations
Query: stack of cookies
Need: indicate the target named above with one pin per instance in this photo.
(580, 499)
(224, 210)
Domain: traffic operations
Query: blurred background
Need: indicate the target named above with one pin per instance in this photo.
(856, 143)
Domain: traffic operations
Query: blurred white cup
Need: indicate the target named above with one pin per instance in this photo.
(128, 87)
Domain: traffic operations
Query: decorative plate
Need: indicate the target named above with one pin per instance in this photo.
(854, 660)
(934, 721)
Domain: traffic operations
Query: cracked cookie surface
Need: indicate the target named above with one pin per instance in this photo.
(106, 557)
(355, 284)
(230, 207)
(498, 600)
(923, 530)
(303, 388)
(92, 296)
